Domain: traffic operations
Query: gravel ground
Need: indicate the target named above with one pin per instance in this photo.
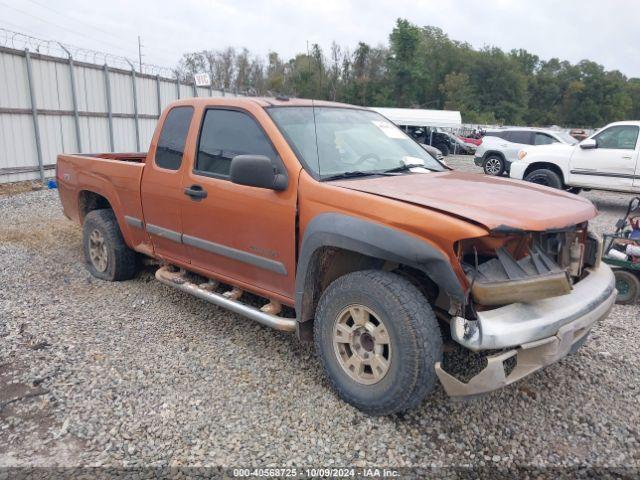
(135, 373)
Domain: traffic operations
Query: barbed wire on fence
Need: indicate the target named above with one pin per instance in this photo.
(21, 41)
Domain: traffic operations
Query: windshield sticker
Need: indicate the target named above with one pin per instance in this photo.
(388, 129)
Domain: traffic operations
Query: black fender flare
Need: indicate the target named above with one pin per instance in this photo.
(374, 240)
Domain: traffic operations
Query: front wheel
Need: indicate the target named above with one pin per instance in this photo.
(545, 177)
(493, 165)
(378, 340)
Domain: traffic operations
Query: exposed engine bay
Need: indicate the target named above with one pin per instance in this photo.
(527, 266)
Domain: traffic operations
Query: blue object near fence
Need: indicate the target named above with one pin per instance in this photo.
(52, 184)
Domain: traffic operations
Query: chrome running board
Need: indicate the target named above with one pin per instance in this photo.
(179, 281)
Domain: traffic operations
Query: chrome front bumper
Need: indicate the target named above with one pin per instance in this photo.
(540, 333)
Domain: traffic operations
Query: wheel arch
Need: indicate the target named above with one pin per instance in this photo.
(545, 165)
(93, 199)
(497, 153)
(335, 244)
(89, 200)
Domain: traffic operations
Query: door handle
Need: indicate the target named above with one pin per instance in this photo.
(196, 192)
(626, 157)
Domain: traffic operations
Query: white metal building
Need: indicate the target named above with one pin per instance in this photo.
(417, 117)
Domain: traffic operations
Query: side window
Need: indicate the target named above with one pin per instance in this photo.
(543, 139)
(225, 134)
(622, 137)
(495, 134)
(519, 136)
(172, 138)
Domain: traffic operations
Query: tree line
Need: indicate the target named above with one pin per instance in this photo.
(422, 67)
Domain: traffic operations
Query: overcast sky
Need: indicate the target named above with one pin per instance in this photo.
(607, 32)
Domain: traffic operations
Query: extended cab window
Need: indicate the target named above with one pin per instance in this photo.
(519, 136)
(622, 137)
(225, 134)
(172, 138)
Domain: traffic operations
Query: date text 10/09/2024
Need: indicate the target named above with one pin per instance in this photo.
(293, 472)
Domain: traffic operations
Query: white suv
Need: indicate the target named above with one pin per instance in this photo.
(499, 148)
(607, 160)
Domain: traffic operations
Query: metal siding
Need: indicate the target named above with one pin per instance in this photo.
(147, 96)
(121, 92)
(57, 135)
(14, 90)
(95, 134)
(17, 144)
(53, 92)
(186, 91)
(90, 89)
(147, 127)
(124, 133)
(51, 85)
(168, 93)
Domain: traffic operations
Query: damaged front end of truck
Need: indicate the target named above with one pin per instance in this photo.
(532, 299)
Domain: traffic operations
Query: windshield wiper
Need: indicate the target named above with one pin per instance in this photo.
(405, 168)
(354, 174)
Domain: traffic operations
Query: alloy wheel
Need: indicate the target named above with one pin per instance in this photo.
(362, 344)
(493, 166)
(98, 250)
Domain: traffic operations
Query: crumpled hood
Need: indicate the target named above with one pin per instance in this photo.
(490, 201)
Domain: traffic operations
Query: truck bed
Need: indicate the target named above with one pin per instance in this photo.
(85, 178)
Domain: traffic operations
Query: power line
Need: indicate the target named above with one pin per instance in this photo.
(75, 32)
(95, 27)
(75, 20)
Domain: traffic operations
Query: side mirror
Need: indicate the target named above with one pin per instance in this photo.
(256, 171)
(588, 143)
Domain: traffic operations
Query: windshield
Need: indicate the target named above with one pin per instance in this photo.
(566, 138)
(334, 140)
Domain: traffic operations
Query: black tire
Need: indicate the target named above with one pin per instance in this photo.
(493, 165)
(444, 148)
(628, 287)
(121, 261)
(545, 177)
(574, 190)
(415, 341)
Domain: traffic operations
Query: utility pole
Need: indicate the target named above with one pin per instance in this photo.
(140, 53)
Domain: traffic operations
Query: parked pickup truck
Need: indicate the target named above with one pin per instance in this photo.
(327, 220)
(607, 160)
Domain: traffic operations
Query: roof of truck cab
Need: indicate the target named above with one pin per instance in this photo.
(624, 122)
(262, 101)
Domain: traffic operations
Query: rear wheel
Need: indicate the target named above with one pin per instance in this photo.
(628, 287)
(493, 165)
(545, 177)
(378, 341)
(106, 255)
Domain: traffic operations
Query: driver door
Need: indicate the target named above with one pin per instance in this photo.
(242, 233)
(612, 164)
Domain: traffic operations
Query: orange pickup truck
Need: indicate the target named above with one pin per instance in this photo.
(327, 220)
